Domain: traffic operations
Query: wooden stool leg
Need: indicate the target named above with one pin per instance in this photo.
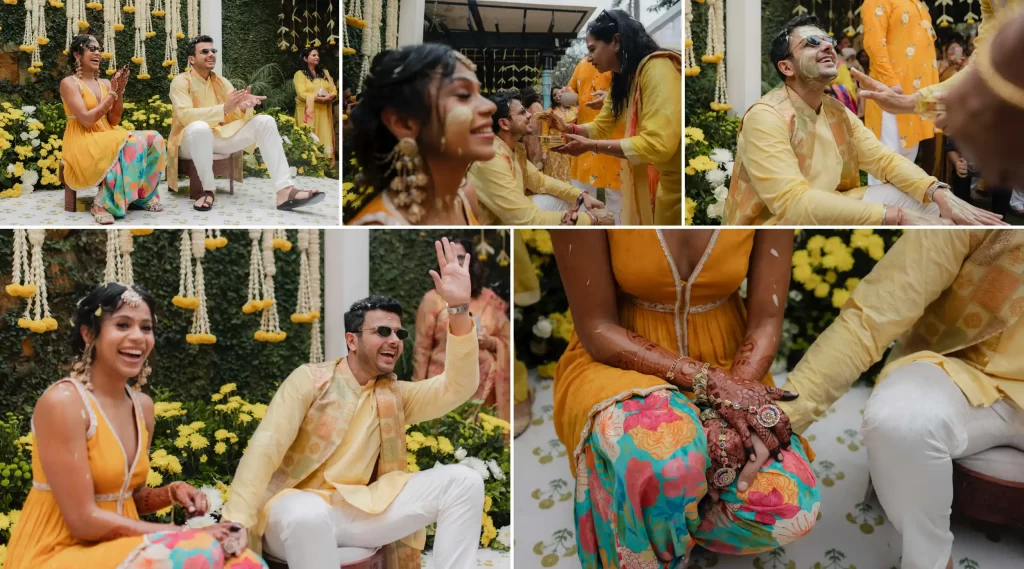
(70, 199)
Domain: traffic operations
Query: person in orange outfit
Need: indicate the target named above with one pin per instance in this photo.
(900, 40)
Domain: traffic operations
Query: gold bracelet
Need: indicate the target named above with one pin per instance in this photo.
(672, 370)
(1003, 88)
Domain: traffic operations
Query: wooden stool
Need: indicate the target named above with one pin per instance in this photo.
(222, 166)
(988, 490)
(351, 558)
(70, 196)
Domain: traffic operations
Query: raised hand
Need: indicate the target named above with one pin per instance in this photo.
(747, 405)
(453, 282)
(892, 100)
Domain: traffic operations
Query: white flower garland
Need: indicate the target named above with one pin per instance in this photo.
(111, 25)
(692, 69)
(371, 38)
(193, 18)
(391, 34)
(333, 38)
(37, 312)
(143, 31)
(186, 297)
(20, 267)
(970, 17)
(173, 33)
(200, 333)
(35, 33)
(306, 309)
(715, 53)
(75, 10)
(115, 266)
(256, 276)
(270, 325)
(127, 247)
(316, 348)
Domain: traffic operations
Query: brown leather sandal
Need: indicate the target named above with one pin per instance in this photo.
(315, 197)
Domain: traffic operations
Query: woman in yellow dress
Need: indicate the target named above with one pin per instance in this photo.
(490, 312)
(646, 89)
(90, 460)
(556, 164)
(315, 95)
(419, 124)
(124, 166)
(659, 327)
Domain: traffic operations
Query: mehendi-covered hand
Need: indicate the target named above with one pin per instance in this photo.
(750, 404)
(189, 497)
(725, 449)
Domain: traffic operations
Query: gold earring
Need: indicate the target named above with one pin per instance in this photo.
(409, 178)
(78, 69)
(143, 376)
(81, 368)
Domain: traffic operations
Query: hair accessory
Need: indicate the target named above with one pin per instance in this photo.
(131, 297)
(99, 311)
(461, 58)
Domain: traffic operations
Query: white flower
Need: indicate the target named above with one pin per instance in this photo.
(729, 167)
(795, 295)
(200, 522)
(28, 109)
(721, 192)
(315, 138)
(24, 136)
(542, 329)
(721, 155)
(27, 189)
(715, 177)
(33, 134)
(30, 177)
(35, 142)
(10, 168)
(505, 536)
(286, 140)
(460, 453)
(478, 465)
(716, 209)
(213, 498)
(496, 470)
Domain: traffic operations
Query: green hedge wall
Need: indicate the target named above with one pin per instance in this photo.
(76, 259)
(250, 42)
(399, 265)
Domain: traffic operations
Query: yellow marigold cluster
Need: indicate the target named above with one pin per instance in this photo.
(547, 370)
(691, 207)
(169, 463)
(489, 531)
(561, 325)
(166, 410)
(490, 423)
(818, 266)
(538, 239)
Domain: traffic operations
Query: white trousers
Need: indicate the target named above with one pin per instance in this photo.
(306, 531)
(200, 143)
(1017, 200)
(612, 198)
(916, 423)
(888, 194)
(891, 139)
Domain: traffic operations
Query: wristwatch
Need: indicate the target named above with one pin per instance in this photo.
(453, 310)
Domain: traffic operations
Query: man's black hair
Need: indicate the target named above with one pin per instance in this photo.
(504, 103)
(357, 312)
(780, 43)
(192, 43)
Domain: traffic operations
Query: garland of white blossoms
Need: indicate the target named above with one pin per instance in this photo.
(77, 24)
(970, 17)
(692, 69)
(186, 297)
(200, 333)
(371, 39)
(391, 34)
(851, 18)
(316, 345)
(256, 301)
(111, 25)
(37, 312)
(333, 38)
(193, 18)
(270, 325)
(214, 240)
(35, 33)
(354, 18)
(305, 310)
(143, 31)
(21, 271)
(173, 33)
(715, 53)
(115, 268)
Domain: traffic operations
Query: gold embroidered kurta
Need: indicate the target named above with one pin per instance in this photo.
(797, 166)
(900, 40)
(598, 170)
(959, 293)
(501, 185)
(344, 472)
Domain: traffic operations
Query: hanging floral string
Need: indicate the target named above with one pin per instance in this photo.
(21, 271)
(304, 299)
(214, 240)
(316, 345)
(503, 258)
(172, 31)
(111, 25)
(851, 20)
(282, 30)
(692, 69)
(306, 29)
(193, 19)
(200, 333)
(143, 31)
(270, 326)
(114, 268)
(371, 37)
(715, 53)
(281, 240)
(800, 9)
(37, 312)
(256, 301)
(391, 34)
(483, 249)
(333, 38)
(158, 8)
(35, 33)
(970, 17)
(354, 18)
(75, 11)
(186, 297)
(127, 247)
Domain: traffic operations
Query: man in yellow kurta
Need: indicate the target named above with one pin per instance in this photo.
(210, 117)
(954, 385)
(327, 466)
(501, 182)
(900, 40)
(590, 170)
(799, 154)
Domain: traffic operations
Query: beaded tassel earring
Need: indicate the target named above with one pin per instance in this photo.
(409, 178)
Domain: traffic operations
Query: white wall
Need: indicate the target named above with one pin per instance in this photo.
(210, 24)
(346, 280)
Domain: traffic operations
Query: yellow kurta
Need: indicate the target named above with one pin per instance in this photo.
(658, 140)
(899, 38)
(557, 165)
(767, 154)
(597, 170)
(888, 302)
(501, 185)
(347, 474)
(993, 14)
(322, 122)
(89, 153)
(196, 99)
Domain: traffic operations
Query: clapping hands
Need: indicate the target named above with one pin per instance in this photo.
(242, 100)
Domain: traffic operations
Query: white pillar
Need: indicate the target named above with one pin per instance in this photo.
(742, 55)
(410, 22)
(346, 280)
(210, 25)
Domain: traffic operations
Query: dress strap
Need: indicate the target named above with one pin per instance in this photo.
(91, 430)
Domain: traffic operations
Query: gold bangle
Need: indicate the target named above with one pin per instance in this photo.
(672, 370)
(1003, 88)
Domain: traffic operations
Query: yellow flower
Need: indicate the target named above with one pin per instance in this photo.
(259, 410)
(243, 418)
(19, 168)
(876, 253)
(830, 277)
(489, 531)
(202, 459)
(691, 206)
(198, 442)
(221, 434)
(821, 291)
(694, 134)
(542, 241)
(410, 463)
(411, 444)
(800, 274)
(690, 171)
(444, 446)
(488, 502)
(216, 397)
(812, 281)
(181, 442)
(228, 388)
(165, 511)
(703, 163)
(816, 243)
(225, 492)
(5, 522)
(154, 479)
(839, 297)
(800, 257)
(851, 283)
(547, 370)
(219, 448)
(15, 515)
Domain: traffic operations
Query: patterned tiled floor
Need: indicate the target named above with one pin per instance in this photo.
(485, 558)
(851, 533)
(252, 204)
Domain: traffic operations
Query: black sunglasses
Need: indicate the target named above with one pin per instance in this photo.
(93, 48)
(207, 50)
(815, 41)
(385, 332)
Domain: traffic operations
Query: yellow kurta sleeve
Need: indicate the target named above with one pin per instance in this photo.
(884, 164)
(775, 174)
(540, 183)
(887, 303)
(182, 108)
(438, 396)
(268, 446)
(498, 193)
(604, 123)
(876, 14)
(659, 135)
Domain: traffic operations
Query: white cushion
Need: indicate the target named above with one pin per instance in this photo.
(1003, 463)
